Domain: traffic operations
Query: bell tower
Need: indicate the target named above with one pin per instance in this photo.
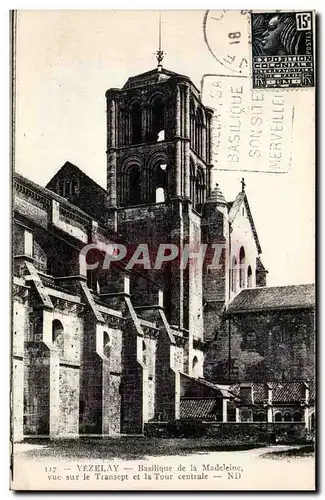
(158, 177)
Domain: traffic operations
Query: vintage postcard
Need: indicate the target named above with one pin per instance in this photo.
(163, 250)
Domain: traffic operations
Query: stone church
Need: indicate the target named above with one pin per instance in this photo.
(103, 351)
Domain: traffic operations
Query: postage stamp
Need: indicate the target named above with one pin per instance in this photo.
(282, 49)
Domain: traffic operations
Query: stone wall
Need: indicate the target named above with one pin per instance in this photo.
(151, 365)
(265, 346)
(195, 278)
(19, 327)
(167, 380)
(69, 401)
(37, 388)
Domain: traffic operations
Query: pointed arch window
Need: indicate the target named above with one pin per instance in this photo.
(242, 269)
(199, 189)
(192, 124)
(192, 181)
(249, 277)
(199, 132)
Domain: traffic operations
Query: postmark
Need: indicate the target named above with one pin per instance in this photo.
(282, 49)
(252, 129)
(227, 36)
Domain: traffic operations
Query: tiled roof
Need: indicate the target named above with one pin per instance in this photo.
(152, 77)
(223, 389)
(277, 297)
(282, 392)
(197, 408)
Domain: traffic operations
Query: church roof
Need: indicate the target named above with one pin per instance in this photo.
(216, 197)
(218, 389)
(157, 75)
(282, 392)
(35, 190)
(203, 408)
(69, 167)
(48, 194)
(272, 298)
(234, 208)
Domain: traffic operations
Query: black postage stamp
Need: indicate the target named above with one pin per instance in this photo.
(282, 49)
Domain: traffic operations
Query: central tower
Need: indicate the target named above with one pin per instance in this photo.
(158, 177)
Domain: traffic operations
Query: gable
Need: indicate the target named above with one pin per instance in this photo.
(74, 185)
(235, 212)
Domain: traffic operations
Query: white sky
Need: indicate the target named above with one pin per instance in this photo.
(66, 60)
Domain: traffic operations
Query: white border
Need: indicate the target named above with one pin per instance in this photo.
(4, 195)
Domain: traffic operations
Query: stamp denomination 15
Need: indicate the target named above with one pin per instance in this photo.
(282, 49)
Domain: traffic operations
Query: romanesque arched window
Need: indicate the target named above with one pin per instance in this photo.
(160, 195)
(58, 336)
(136, 118)
(297, 417)
(288, 417)
(259, 416)
(249, 277)
(199, 188)
(242, 268)
(129, 182)
(192, 124)
(158, 119)
(192, 181)
(134, 185)
(106, 344)
(161, 182)
(156, 180)
(278, 417)
(199, 126)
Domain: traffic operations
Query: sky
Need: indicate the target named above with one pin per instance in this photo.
(66, 60)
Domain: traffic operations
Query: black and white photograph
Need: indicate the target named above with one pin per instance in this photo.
(163, 250)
